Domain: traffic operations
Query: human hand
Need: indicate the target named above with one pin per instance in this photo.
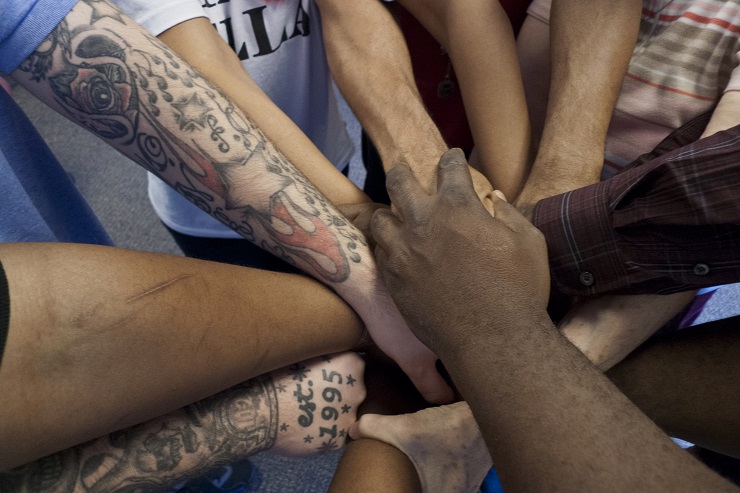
(483, 188)
(451, 267)
(444, 443)
(360, 216)
(317, 403)
(606, 329)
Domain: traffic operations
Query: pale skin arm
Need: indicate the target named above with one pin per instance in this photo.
(200, 45)
(552, 421)
(260, 414)
(370, 63)
(106, 73)
(584, 56)
(167, 332)
(480, 41)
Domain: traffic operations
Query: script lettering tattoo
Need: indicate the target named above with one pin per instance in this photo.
(129, 89)
(219, 430)
(305, 405)
(329, 413)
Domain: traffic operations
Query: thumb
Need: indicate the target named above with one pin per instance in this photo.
(374, 426)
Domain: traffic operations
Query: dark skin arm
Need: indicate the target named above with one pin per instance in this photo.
(536, 398)
(86, 356)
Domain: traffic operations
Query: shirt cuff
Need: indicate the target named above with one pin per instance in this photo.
(582, 249)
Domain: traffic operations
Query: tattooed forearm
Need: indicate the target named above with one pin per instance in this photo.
(222, 429)
(304, 409)
(105, 73)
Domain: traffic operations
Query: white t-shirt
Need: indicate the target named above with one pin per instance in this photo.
(281, 47)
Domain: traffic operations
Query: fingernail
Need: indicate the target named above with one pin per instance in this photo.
(452, 156)
(500, 195)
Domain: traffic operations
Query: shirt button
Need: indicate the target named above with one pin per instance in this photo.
(587, 279)
(701, 269)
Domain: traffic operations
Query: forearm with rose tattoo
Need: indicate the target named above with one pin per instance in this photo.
(106, 73)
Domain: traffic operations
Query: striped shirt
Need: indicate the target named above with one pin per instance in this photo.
(670, 222)
(687, 56)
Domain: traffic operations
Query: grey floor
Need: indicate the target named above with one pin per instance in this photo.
(116, 189)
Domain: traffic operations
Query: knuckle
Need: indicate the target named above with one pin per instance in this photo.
(457, 197)
(395, 177)
(422, 230)
(377, 225)
(452, 158)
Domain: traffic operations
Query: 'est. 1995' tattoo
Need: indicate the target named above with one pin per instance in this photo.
(190, 442)
(329, 437)
(129, 89)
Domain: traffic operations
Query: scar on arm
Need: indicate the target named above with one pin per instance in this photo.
(158, 288)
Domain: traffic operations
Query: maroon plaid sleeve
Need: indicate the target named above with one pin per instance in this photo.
(670, 223)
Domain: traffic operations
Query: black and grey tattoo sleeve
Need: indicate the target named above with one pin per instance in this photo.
(107, 74)
(188, 443)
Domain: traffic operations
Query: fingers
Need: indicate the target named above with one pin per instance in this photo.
(453, 176)
(377, 427)
(385, 228)
(508, 214)
(405, 192)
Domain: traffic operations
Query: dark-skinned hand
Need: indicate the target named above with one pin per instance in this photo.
(449, 264)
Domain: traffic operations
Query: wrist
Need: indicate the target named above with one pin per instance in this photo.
(499, 334)
(364, 290)
(555, 175)
(420, 155)
(581, 147)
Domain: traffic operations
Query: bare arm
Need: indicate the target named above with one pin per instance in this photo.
(200, 45)
(370, 62)
(480, 41)
(588, 49)
(106, 73)
(86, 356)
(584, 56)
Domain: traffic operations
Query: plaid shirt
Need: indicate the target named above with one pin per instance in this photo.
(670, 222)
